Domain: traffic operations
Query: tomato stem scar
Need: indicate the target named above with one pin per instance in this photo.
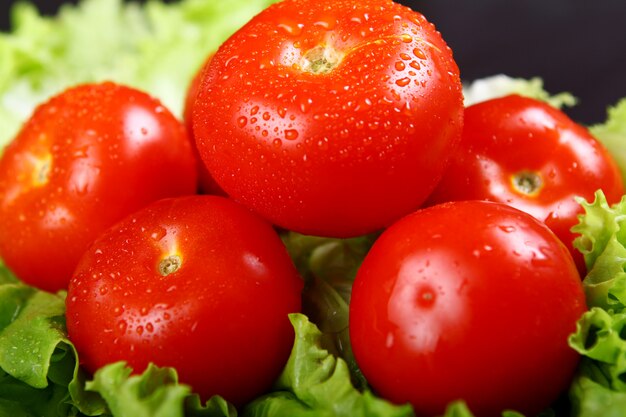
(42, 170)
(527, 182)
(320, 60)
(170, 265)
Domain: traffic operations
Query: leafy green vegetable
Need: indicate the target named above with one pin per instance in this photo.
(316, 383)
(612, 134)
(38, 364)
(502, 85)
(600, 385)
(155, 393)
(156, 47)
(329, 267)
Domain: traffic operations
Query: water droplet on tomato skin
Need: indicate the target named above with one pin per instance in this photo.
(507, 229)
(291, 134)
(290, 27)
(242, 121)
(122, 325)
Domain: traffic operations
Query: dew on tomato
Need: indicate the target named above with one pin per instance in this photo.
(198, 283)
(468, 300)
(527, 154)
(79, 164)
(342, 112)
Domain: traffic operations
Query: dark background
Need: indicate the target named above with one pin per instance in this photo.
(574, 45)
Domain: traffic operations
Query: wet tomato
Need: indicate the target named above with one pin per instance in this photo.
(468, 300)
(198, 283)
(206, 183)
(330, 118)
(527, 154)
(84, 160)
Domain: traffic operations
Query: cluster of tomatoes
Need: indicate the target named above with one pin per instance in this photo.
(336, 118)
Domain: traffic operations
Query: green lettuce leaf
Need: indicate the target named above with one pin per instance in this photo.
(156, 47)
(612, 134)
(316, 383)
(154, 393)
(600, 386)
(39, 374)
(502, 85)
(329, 266)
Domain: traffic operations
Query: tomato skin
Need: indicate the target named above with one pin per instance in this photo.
(513, 134)
(85, 159)
(206, 183)
(221, 318)
(337, 153)
(467, 300)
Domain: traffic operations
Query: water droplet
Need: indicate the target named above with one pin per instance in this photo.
(419, 53)
(122, 325)
(282, 112)
(305, 105)
(290, 27)
(242, 121)
(405, 57)
(406, 38)
(327, 23)
(400, 66)
(403, 82)
(254, 110)
(150, 327)
(159, 233)
(415, 65)
(291, 134)
(266, 116)
(507, 229)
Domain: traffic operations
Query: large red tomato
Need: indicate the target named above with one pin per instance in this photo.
(467, 300)
(527, 154)
(198, 283)
(330, 117)
(85, 159)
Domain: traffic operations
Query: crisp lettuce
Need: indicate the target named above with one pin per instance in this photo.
(612, 134)
(501, 85)
(156, 47)
(316, 383)
(599, 387)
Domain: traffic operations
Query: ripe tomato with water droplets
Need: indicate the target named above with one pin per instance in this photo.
(198, 283)
(468, 300)
(530, 155)
(330, 118)
(206, 183)
(85, 159)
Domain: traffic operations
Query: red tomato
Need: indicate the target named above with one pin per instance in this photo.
(84, 160)
(206, 183)
(330, 118)
(198, 283)
(467, 300)
(527, 154)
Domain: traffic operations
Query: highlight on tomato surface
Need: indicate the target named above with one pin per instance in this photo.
(530, 155)
(197, 283)
(330, 118)
(468, 300)
(86, 158)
